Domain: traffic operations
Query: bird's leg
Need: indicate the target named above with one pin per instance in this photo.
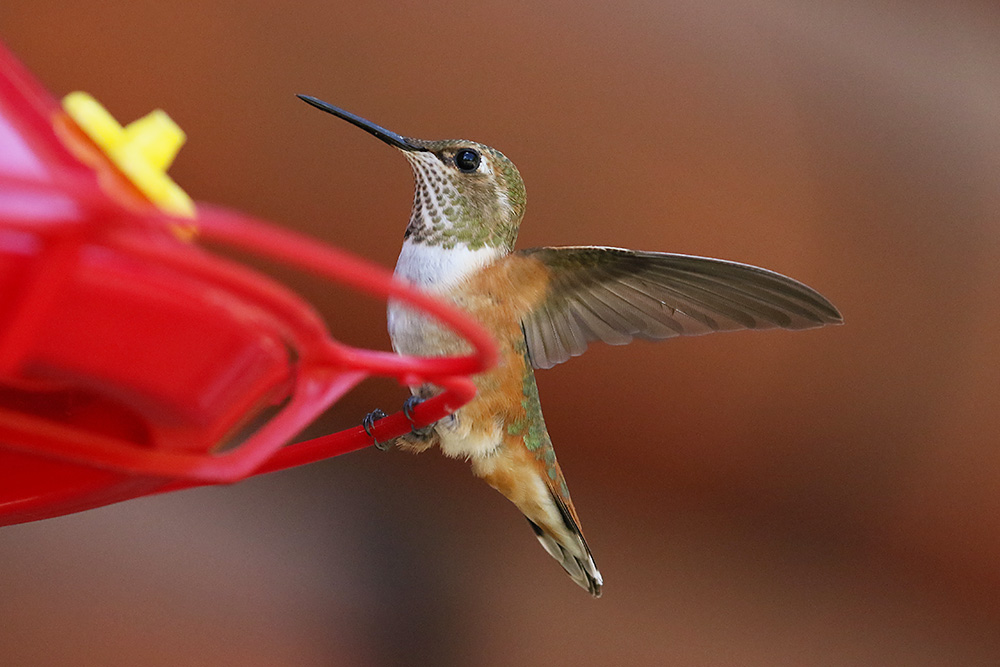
(417, 440)
(408, 405)
(368, 422)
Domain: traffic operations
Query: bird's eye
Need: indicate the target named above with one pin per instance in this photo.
(467, 159)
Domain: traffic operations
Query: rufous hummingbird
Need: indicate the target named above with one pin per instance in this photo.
(543, 306)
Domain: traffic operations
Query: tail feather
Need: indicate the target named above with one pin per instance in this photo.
(534, 483)
(569, 548)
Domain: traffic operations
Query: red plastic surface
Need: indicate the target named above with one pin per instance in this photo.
(133, 362)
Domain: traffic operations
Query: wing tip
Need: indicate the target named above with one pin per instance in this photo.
(824, 314)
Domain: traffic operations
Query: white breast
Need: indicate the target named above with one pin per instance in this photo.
(434, 269)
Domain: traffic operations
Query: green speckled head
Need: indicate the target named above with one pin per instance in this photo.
(466, 193)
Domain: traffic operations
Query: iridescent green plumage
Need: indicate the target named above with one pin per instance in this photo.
(531, 427)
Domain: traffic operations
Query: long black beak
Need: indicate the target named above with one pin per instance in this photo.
(385, 135)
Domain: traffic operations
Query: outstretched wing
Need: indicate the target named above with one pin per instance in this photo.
(614, 295)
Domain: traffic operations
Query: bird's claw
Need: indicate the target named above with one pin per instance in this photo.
(408, 405)
(369, 422)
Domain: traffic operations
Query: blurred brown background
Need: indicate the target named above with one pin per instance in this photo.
(829, 497)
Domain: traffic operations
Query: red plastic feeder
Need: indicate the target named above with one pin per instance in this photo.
(134, 362)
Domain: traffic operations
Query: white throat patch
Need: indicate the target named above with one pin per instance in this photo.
(434, 267)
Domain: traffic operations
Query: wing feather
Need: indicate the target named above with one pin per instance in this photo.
(615, 295)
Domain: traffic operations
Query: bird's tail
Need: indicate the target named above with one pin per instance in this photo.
(532, 480)
(559, 533)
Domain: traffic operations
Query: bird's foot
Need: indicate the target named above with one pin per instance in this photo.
(369, 422)
(408, 405)
(417, 438)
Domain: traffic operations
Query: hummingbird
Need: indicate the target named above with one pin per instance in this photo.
(543, 306)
